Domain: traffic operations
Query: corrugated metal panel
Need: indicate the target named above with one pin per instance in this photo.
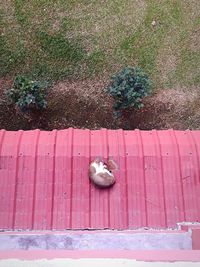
(44, 179)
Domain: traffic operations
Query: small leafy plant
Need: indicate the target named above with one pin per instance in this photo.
(27, 94)
(128, 88)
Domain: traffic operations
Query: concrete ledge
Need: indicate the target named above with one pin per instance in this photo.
(96, 240)
(194, 229)
(145, 255)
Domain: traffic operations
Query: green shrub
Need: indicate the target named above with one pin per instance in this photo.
(128, 88)
(27, 94)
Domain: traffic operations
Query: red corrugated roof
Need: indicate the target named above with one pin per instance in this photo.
(44, 179)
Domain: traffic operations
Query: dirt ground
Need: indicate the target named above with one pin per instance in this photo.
(85, 104)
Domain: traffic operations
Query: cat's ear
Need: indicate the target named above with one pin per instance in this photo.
(112, 165)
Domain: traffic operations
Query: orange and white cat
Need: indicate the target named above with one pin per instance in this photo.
(101, 174)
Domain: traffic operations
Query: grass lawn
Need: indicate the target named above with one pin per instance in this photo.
(77, 39)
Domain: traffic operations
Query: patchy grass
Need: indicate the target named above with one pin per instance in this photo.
(57, 39)
(151, 44)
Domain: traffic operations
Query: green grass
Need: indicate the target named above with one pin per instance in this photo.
(58, 47)
(58, 39)
(144, 45)
(21, 16)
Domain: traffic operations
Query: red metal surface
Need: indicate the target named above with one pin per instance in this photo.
(196, 239)
(44, 179)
